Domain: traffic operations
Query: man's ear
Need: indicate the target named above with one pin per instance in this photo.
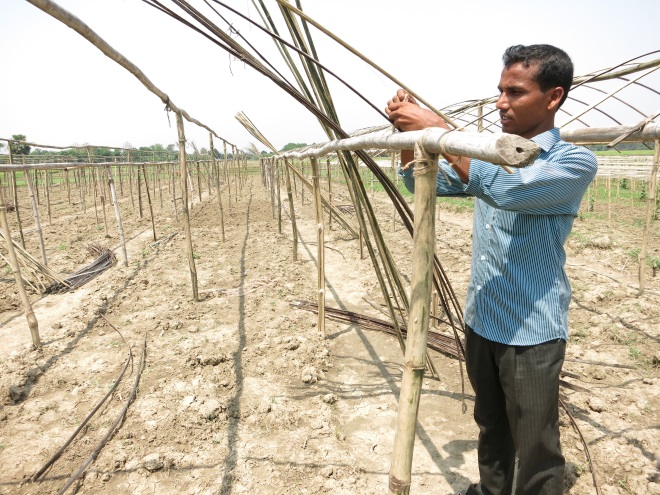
(556, 95)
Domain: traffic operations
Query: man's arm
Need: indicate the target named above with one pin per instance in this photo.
(406, 115)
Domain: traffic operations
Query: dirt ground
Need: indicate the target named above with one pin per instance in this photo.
(241, 393)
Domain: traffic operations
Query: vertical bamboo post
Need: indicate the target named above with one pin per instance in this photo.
(184, 205)
(327, 166)
(35, 214)
(99, 173)
(650, 207)
(33, 324)
(68, 185)
(271, 176)
(89, 159)
(139, 190)
(609, 202)
(151, 207)
(278, 163)
(426, 170)
(393, 169)
(217, 186)
(47, 187)
(289, 194)
(199, 180)
(120, 225)
(130, 185)
(160, 187)
(321, 245)
(15, 188)
(226, 174)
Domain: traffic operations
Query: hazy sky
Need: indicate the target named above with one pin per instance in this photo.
(58, 89)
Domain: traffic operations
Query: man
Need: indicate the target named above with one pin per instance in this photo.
(516, 312)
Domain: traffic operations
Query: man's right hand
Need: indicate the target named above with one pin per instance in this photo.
(406, 114)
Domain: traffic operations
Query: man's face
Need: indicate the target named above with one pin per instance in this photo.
(525, 110)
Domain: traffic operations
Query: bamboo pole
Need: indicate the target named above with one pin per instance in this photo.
(102, 197)
(279, 196)
(393, 169)
(327, 166)
(151, 207)
(426, 170)
(321, 245)
(48, 209)
(33, 324)
(139, 190)
(184, 205)
(15, 189)
(292, 210)
(226, 174)
(650, 207)
(271, 178)
(35, 214)
(217, 186)
(120, 225)
(96, 211)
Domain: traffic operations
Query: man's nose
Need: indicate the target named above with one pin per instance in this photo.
(502, 102)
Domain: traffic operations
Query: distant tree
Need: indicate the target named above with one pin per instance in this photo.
(2, 145)
(291, 146)
(18, 148)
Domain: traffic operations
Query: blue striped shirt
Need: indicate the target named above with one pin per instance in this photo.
(518, 292)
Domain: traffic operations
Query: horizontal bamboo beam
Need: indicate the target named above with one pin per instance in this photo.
(501, 149)
(636, 133)
(73, 165)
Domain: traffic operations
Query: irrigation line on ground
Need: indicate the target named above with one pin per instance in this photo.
(115, 424)
(58, 454)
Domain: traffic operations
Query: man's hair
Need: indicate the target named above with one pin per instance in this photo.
(553, 65)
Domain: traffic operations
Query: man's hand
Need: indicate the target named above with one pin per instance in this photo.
(406, 114)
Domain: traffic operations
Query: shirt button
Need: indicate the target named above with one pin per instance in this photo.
(478, 287)
(483, 257)
(487, 226)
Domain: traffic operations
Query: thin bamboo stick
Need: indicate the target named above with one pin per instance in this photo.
(120, 225)
(426, 170)
(37, 221)
(139, 190)
(327, 166)
(217, 186)
(292, 210)
(320, 237)
(15, 188)
(151, 207)
(650, 207)
(184, 205)
(279, 196)
(33, 324)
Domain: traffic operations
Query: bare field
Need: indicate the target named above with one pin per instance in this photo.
(241, 393)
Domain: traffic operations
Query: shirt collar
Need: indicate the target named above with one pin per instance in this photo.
(547, 139)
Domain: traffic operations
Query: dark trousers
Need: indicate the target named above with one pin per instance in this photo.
(516, 409)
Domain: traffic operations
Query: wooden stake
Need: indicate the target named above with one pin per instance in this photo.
(33, 324)
(650, 207)
(426, 170)
(321, 245)
(184, 205)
